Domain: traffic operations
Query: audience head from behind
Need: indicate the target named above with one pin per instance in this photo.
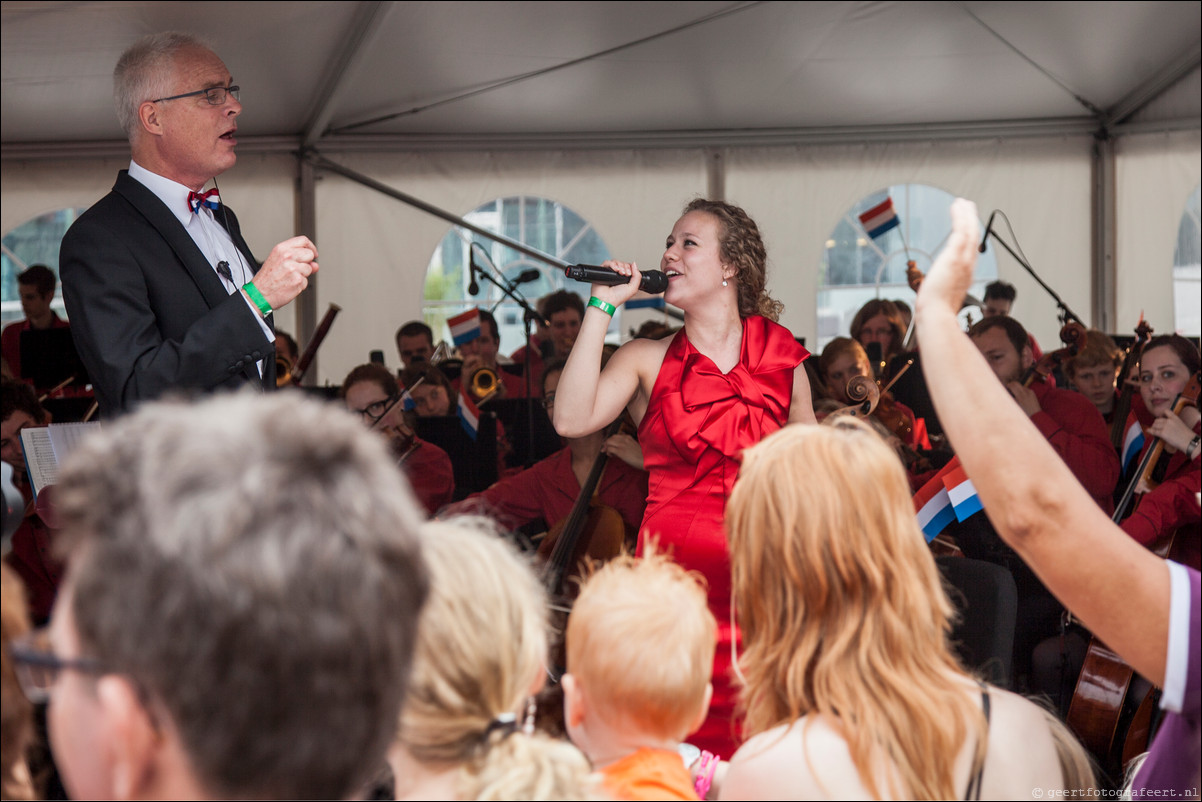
(640, 655)
(240, 608)
(414, 343)
(464, 731)
(851, 688)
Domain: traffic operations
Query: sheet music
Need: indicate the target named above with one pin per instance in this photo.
(46, 446)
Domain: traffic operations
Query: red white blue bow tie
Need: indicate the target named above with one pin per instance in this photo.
(198, 199)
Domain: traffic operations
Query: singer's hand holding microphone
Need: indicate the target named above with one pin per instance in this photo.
(617, 282)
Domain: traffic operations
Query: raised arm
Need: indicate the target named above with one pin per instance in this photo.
(1119, 589)
(587, 398)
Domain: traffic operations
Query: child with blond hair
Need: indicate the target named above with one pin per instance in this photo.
(640, 654)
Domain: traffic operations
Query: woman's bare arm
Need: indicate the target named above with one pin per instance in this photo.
(1119, 589)
(587, 398)
(801, 408)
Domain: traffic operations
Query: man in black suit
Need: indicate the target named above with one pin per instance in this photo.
(162, 291)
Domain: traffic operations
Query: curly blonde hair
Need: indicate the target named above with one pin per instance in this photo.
(842, 610)
(742, 247)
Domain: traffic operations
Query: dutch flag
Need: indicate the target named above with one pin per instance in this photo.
(469, 415)
(880, 218)
(934, 507)
(1133, 442)
(465, 327)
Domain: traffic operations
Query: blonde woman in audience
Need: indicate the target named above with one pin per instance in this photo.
(466, 728)
(850, 687)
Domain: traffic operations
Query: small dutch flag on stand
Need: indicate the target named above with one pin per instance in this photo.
(469, 415)
(1133, 442)
(465, 327)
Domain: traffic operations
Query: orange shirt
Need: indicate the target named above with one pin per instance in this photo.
(649, 774)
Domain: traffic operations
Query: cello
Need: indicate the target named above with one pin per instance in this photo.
(592, 531)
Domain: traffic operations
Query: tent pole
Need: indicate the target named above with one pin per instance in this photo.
(306, 225)
(1103, 270)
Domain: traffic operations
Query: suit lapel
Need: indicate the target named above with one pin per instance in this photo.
(166, 223)
(194, 262)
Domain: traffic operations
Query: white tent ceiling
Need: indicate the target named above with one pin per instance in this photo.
(494, 74)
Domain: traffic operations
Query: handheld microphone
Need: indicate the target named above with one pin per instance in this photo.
(988, 227)
(653, 281)
(473, 287)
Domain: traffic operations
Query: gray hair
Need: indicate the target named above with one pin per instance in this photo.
(144, 73)
(252, 564)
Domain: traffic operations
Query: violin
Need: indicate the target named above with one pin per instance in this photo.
(1122, 404)
(1147, 465)
(1072, 334)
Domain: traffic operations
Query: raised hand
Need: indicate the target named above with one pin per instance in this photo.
(286, 272)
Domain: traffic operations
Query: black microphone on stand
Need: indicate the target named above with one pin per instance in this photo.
(526, 276)
(988, 227)
(652, 281)
(473, 288)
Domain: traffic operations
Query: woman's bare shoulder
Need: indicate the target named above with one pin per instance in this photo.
(781, 763)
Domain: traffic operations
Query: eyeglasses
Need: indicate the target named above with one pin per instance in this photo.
(215, 95)
(374, 411)
(37, 667)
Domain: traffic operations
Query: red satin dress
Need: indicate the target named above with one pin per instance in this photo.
(697, 424)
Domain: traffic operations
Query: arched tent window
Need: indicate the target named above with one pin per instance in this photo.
(35, 241)
(857, 267)
(1187, 271)
(537, 222)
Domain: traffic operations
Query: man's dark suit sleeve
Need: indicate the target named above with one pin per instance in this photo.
(142, 321)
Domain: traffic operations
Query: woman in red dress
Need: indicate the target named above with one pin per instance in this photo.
(729, 378)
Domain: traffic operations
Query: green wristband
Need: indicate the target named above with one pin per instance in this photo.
(257, 298)
(607, 308)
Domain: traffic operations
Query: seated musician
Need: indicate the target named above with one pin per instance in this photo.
(1165, 367)
(481, 353)
(1094, 370)
(549, 489)
(1070, 423)
(368, 390)
(842, 360)
(431, 390)
(880, 321)
(33, 556)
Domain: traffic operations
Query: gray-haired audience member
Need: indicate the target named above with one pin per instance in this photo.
(240, 607)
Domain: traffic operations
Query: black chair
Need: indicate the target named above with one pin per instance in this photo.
(986, 599)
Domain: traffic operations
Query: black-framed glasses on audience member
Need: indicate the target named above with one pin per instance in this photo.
(37, 666)
(215, 95)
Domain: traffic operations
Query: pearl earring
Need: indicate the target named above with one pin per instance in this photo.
(723, 282)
